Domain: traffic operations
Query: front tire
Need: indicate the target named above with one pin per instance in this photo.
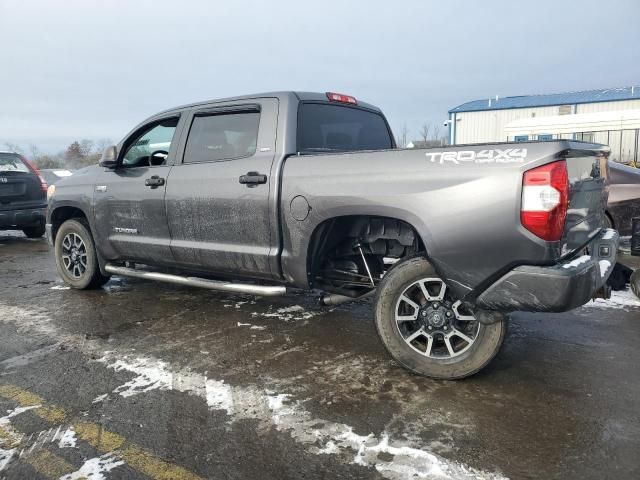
(76, 257)
(426, 329)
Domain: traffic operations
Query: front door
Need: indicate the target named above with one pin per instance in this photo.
(219, 206)
(129, 200)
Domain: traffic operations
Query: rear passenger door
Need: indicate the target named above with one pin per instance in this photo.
(219, 207)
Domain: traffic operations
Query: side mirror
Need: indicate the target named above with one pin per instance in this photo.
(109, 157)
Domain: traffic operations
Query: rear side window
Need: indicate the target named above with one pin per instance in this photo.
(12, 163)
(336, 128)
(222, 137)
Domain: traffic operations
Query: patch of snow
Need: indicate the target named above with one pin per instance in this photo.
(100, 398)
(16, 411)
(292, 313)
(218, 395)
(68, 439)
(150, 376)
(291, 309)
(6, 456)
(252, 327)
(238, 305)
(272, 409)
(608, 234)
(604, 267)
(61, 287)
(619, 300)
(577, 261)
(95, 468)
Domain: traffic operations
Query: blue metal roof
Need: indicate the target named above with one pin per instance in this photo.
(571, 98)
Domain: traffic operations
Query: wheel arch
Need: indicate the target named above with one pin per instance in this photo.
(61, 213)
(380, 234)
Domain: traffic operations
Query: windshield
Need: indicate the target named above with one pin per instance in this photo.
(335, 128)
(10, 162)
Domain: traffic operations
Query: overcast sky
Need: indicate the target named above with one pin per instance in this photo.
(93, 69)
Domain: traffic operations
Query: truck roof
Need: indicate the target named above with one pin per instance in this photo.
(290, 95)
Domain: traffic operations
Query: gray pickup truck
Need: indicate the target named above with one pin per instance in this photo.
(260, 193)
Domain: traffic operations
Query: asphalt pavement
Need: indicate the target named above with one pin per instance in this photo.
(149, 380)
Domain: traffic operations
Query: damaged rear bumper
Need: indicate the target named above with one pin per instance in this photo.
(557, 288)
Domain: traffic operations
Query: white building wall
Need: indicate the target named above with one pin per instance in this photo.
(488, 126)
(608, 106)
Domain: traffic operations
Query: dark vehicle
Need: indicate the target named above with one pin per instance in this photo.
(259, 193)
(54, 175)
(23, 195)
(624, 197)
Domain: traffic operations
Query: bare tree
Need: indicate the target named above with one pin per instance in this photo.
(86, 147)
(102, 144)
(13, 147)
(436, 132)
(424, 131)
(403, 137)
(35, 151)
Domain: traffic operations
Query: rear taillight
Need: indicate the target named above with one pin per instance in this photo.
(545, 200)
(43, 183)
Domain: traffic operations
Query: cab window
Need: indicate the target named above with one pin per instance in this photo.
(326, 127)
(150, 148)
(222, 137)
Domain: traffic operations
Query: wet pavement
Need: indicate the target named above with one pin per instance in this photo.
(148, 380)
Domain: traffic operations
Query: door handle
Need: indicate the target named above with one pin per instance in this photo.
(154, 182)
(253, 179)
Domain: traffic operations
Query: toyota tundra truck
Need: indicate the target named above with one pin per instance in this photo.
(261, 193)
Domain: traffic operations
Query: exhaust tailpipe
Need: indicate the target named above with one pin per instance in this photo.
(332, 299)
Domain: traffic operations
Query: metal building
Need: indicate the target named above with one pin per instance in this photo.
(609, 116)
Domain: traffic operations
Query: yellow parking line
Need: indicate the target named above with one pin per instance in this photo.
(49, 465)
(100, 439)
(131, 454)
(9, 437)
(25, 398)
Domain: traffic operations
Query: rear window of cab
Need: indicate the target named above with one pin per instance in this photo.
(327, 127)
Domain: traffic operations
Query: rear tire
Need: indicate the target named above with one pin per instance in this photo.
(34, 232)
(76, 257)
(439, 349)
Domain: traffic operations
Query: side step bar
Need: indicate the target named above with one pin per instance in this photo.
(267, 291)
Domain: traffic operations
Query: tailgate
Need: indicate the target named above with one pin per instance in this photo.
(588, 173)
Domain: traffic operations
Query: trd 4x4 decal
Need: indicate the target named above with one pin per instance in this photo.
(496, 155)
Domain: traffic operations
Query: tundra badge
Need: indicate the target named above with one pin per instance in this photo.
(126, 230)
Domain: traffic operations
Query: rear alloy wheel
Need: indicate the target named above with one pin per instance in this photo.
(427, 329)
(76, 256)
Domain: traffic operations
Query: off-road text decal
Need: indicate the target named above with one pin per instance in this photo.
(496, 155)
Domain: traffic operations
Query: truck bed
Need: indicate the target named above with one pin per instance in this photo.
(463, 201)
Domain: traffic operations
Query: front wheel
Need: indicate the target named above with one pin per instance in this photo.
(76, 257)
(429, 331)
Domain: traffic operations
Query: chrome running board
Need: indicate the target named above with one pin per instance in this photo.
(263, 290)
